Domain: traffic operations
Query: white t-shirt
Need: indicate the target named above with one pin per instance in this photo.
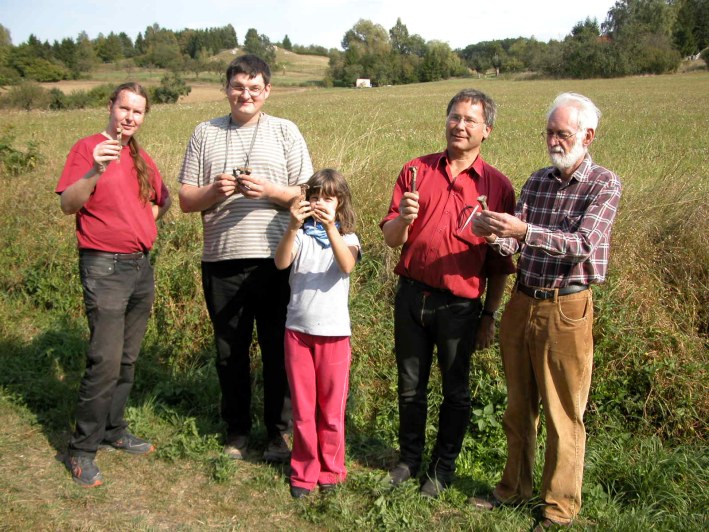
(238, 227)
(319, 301)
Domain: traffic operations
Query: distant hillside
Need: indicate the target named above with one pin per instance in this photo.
(295, 69)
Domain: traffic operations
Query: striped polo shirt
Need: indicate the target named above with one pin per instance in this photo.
(238, 227)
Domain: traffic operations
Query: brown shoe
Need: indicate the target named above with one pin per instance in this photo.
(485, 503)
(549, 524)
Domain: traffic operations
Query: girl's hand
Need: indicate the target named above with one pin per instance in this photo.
(299, 211)
(104, 153)
(325, 214)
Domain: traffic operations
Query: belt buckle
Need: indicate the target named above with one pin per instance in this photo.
(543, 294)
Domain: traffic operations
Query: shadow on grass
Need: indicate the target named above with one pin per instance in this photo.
(44, 374)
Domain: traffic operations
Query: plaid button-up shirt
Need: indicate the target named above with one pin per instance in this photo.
(569, 226)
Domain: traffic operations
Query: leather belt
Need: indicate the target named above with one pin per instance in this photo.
(548, 293)
(115, 256)
(423, 286)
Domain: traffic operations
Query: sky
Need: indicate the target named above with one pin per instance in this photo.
(319, 22)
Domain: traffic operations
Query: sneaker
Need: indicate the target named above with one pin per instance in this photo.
(433, 487)
(401, 473)
(299, 493)
(278, 449)
(130, 444)
(84, 471)
(237, 446)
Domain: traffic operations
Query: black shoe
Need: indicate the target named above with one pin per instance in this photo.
(236, 446)
(299, 493)
(278, 449)
(84, 471)
(433, 487)
(129, 444)
(327, 488)
(401, 473)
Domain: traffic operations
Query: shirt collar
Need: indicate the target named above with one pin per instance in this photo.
(475, 170)
(580, 174)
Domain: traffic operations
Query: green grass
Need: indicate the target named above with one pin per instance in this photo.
(646, 455)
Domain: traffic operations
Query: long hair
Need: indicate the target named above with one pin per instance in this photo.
(143, 171)
(329, 182)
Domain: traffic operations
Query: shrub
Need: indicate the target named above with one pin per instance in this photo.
(57, 100)
(27, 95)
(9, 76)
(172, 86)
(14, 161)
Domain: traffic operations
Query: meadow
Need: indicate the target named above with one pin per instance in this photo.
(647, 463)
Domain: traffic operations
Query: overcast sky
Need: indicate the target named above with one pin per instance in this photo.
(320, 22)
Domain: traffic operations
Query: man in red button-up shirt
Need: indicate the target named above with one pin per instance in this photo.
(444, 271)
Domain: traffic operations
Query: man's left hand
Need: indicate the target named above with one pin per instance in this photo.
(500, 224)
(486, 332)
(253, 187)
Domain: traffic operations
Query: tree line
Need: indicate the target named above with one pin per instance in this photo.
(69, 58)
(637, 37)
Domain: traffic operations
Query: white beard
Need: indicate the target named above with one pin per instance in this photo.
(565, 161)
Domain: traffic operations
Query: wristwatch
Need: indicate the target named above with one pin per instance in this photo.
(494, 314)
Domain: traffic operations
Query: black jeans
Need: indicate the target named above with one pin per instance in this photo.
(424, 318)
(118, 296)
(239, 293)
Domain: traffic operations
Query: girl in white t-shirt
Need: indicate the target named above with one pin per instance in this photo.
(322, 248)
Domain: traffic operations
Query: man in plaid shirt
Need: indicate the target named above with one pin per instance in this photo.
(561, 229)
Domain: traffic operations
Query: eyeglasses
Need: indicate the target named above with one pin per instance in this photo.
(253, 91)
(560, 135)
(470, 123)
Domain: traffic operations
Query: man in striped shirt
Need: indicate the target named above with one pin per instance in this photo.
(561, 228)
(240, 172)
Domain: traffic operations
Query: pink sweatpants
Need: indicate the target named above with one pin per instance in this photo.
(318, 370)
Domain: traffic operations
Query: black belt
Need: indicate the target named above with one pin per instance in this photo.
(424, 286)
(115, 256)
(548, 293)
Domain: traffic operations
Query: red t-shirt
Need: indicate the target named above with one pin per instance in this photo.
(441, 250)
(114, 219)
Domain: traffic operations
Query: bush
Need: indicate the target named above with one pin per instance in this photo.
(705, 56)
(9, 76)
(172, 86)
(57, 100)
(27, 95)
(13, 161)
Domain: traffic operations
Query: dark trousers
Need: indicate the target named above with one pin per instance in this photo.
(118, 296)
(424, 318)
(239, 293)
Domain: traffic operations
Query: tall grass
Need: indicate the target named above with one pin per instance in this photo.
(648, 410)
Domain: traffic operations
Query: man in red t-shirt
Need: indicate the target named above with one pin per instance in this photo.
(116, 192)
(444, 271)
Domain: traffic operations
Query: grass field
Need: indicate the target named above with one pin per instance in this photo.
(647, 460)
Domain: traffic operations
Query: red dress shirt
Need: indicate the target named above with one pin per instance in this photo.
(441, 250)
